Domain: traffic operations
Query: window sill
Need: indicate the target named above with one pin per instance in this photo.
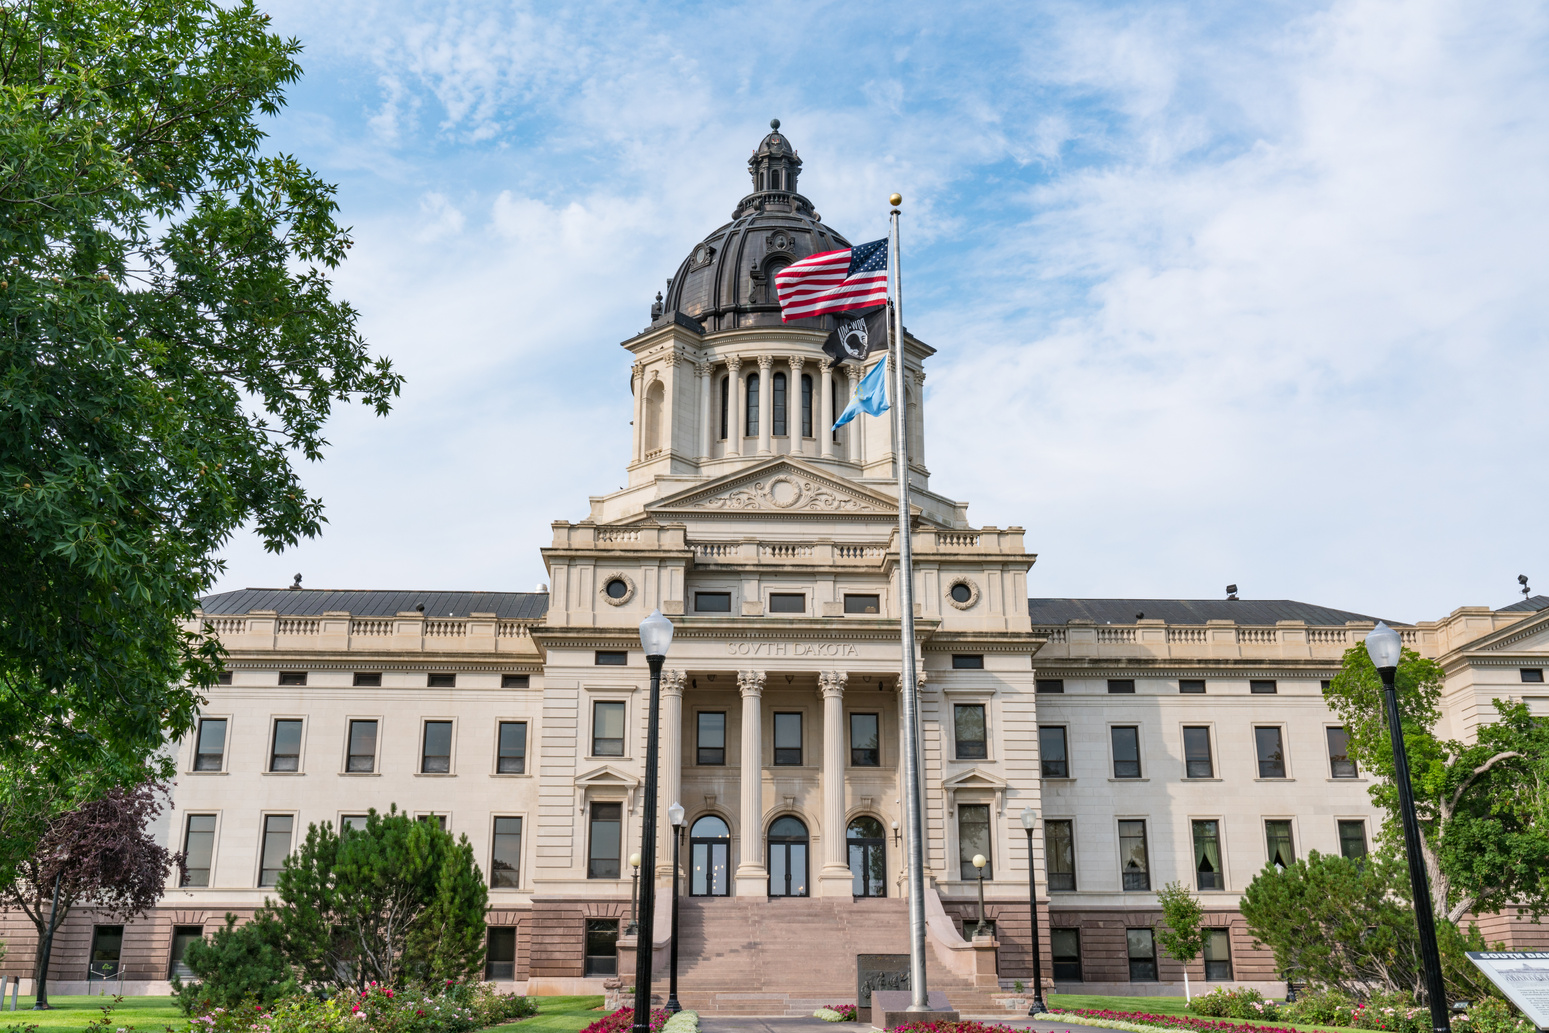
(1071, 778)
(202, 774)
(1282, 778)
(609, 758)
(1129, 780)
(435, 774)
(510, 774)
(360, 774)
(1201, 779)
(283, 774)
(1346, 778)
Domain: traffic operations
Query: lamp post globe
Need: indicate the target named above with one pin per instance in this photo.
(1384, 646)
(655, 639)
(1029, 819)
(675, 815)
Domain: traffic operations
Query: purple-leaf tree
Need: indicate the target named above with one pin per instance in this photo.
(99, 854)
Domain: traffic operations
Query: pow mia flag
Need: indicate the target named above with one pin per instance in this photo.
(858, 335)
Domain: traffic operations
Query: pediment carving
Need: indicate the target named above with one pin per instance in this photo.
(781, 487)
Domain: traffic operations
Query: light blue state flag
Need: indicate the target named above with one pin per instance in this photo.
(870, 396)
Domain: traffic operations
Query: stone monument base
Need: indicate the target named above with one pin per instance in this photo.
(890, 1008)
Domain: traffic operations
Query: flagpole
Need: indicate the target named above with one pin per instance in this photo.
(914, 816)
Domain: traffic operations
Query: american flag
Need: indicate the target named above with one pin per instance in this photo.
(834, 281)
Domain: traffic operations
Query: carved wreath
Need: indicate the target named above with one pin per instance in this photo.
(973, 593)
(779, 242)
(629, 588)
(783, 492)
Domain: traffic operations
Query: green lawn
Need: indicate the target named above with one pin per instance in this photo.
(558, 1015)
(1161, 1006)
(76, 1012)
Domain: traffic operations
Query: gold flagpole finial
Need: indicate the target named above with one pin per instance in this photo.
(896, 200)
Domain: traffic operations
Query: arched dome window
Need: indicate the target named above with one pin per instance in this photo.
(752, 388)
(653, 416)
(725, 404)
(777, 417)
(806, 405)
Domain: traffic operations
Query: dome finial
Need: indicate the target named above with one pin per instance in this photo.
(774, 123)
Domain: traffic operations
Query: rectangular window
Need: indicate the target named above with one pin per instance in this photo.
(500, 954)
(712, 602)
(611, 658)
(439, 820)
(1124, 685)
(787, 602)
(602, 941)
(750, 406)
(1065, 944)
(515, 681)
(199, 846)
(1195, 686)
(362, 756)
(806, 406)
(1052, 752)
(293, 677)
(210, 751)
(973, 837)
(862, 603)
(277, 830)
(285, 746)
(725, 405)
(1218, 955)
(1126, 751)
(969, 731)
(505, 863)
(865, 741)
(1059, 850)
(967, 662)
(1339, 762)
(1277, 841)
(1271, 755)
(436, 754)
(787, 740)
(353, 822)
(107, 944)
(368, 679)
(441, 681)
(1142, 955)
(711, 741)
(1207, 856)
(1197, 762)
(777, 391)
(511, 750)
(224, 678)
(1134, 861)
(1352, 839)
(1051, 684)
(1262, 688)
(1534, 675)
(607, 830)
(182, 936)
(607, 729)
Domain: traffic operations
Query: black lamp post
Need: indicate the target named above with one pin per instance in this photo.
(979, 861)
(633, 928)
(674, 815)
(655, 636)
(1029, 819)
(1385, 647)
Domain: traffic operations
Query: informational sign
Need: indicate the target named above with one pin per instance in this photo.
(1523, 977)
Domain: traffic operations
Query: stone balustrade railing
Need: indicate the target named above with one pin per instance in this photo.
(1216, 639)
(339, 632)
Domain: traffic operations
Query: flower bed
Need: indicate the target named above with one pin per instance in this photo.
(1104, 1017)
(837, 1013)
(449, 1008)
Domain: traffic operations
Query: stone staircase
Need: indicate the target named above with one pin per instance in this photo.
(789, 956)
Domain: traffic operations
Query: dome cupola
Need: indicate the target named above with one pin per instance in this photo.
(775, 164)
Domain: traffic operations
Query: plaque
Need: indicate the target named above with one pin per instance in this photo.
(879, 972)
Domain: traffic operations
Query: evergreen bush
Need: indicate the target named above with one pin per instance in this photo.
(239, 964)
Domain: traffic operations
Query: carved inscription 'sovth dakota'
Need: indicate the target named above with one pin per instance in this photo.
(791, 649)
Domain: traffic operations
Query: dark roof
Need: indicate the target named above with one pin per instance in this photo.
(1187, 611)
(1533, 605)
(309, 602)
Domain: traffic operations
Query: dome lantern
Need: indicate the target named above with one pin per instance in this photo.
(775, 164)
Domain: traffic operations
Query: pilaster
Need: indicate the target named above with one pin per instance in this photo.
(672, 764)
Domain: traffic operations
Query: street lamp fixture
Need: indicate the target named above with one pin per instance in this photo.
(979, 861)
(655, 638)
(1029, 822)
(1386, 648)
(633, 928)
(674, 815)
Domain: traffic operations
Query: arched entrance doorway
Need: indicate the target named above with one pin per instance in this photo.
(788, 858)
(709, 851)
(868, 857)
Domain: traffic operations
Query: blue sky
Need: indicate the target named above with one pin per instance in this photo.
(1252, 293)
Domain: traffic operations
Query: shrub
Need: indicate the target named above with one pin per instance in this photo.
(1395, 1013)
(1319, 1006)
(1491, 1015)
(238, 965)
(447, 1008)
(682, 1022)
(838, 1013)
(1225, 1003)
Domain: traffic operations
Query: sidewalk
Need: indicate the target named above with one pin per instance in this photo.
(798, 1024)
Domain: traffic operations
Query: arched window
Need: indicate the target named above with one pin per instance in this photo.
(788, 858)
(777, 417)
(775, 180)
(709, 851)
(725, 404)
(868, 857)
(653, 416)
(806, 406)
(838, 408)
(752, 389)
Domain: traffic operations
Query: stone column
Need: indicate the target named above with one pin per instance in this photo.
(738, 404)
(852, 430)
(637, 372)
(825, 432)
(707, 412)
(834, 879)
(752, 876)
(672, 765)
(793, 425)
(917, 444)
(766, 403)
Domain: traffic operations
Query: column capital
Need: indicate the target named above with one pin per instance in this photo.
(765, 361)
(796, 363)
(673, 682)
(825, 365)
(702, 369)
(919, 679)
(637, 370)
(733, 363)
(751, 683)
(832, 683)
(853, 371)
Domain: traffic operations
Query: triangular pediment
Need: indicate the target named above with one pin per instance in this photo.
(974, 778)
(1530, 635)
(606, 776)
(782, 485)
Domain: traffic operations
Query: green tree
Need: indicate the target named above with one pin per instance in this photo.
(168, 345)
(1183, 938)
(1483, 806)
(235, 964)
(398, 898)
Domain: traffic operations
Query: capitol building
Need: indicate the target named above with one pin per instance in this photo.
(1156, 740)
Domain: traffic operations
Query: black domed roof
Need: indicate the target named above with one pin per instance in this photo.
(727, 281)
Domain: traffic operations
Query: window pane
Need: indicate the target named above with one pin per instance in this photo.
(1125, 685)
(362, 746)
(787, 739)
(1339, 762)
(506, 858)
(1262, 688)
(973, 837)
(777, 417)
(277, 829)
(752, 410)
(968, 721)
(500, 954)
(1271, 759)
(512, 758)
(806, 406)
(602, 937)
(611, 658)
(865, 743)
(199, 845)
(712, 602)
(725, 404)
(1277, 835)
(1060, 854)
(1142, 955)
(107, 943)
(787, 602)
(1194, 686)
(212, 744)
(606, 832)
(1126, 752)
(1207, 856)
(1052, 752)
(1051, 685)
(182, 936)
(1218, 955)
(441, 681)
(712, 737)
(1065, 945)
(968, 661)
(286, 754)
(1352, 839)
(437, 756)
(607, 729)
(862, 604)
(1133, 859)
(1196, 753)
(356, 822)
